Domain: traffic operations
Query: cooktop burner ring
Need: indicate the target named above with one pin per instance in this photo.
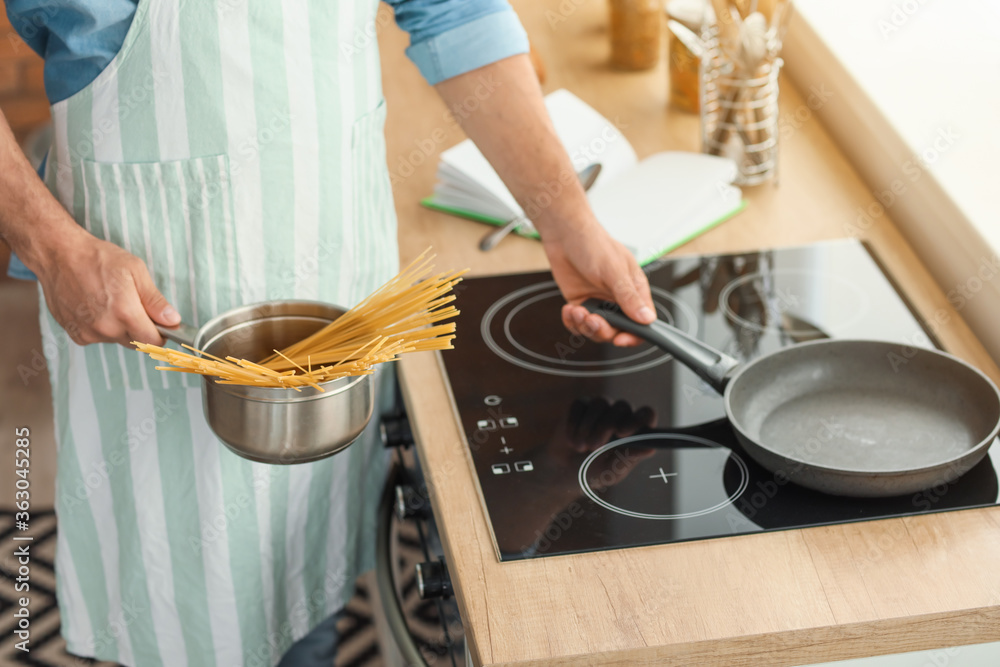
(639, 361)
(775, 317)
(665, 314)
(743, 469)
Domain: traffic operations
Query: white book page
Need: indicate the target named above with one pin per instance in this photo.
(664, 199)
(587, 136)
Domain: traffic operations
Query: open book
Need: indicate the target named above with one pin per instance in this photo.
(651, 206)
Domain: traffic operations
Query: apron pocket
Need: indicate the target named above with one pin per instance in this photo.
(176, 217)
(374, 215)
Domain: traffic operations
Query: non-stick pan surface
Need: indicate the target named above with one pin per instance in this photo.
(849, 417)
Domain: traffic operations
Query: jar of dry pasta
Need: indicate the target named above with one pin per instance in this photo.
(636, 29)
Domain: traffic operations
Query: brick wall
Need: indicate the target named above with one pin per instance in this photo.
(22, 93)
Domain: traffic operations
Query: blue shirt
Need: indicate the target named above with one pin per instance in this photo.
(79, 38)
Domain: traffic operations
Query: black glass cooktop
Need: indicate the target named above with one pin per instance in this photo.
(582, 447)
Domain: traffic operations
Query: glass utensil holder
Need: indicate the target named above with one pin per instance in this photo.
(739, 112)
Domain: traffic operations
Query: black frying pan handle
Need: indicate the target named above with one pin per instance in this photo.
(712, 366)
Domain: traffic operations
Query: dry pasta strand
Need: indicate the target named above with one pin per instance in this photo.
(404, 315)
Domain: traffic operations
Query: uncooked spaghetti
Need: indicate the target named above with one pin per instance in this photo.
(402, 316)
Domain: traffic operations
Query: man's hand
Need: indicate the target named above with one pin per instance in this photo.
(101, 293)
(513, 130)
(589, 264)
(97, 291)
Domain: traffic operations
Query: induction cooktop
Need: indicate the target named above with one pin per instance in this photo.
(579, 446)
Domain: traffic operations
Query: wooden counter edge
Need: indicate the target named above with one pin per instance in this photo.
(804, 646)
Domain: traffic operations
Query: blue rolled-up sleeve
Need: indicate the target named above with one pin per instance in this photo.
(452, 37)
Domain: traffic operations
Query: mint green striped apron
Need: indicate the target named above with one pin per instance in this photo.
(237, 148)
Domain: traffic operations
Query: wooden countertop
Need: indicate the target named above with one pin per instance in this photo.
(783, 598)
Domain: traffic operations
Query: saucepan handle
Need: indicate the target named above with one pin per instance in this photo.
(183, 334)
(712, 366)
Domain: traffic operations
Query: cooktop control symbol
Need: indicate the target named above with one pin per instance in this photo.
(665, 476)
(501, 468)
(615, 476)
(486, 425)
(492, 400)
(508, 422)
(524, 466)
(506, 450)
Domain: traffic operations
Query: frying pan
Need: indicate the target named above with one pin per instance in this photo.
(846, 417)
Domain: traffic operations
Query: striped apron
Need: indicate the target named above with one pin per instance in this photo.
(237, 148)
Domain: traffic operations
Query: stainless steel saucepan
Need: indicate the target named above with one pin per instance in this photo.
(846, 417)
(275, 424)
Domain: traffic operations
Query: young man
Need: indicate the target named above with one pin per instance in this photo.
(212, 154)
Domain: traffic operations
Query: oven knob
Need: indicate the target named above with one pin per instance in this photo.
(395, 432)
(433, 580)
(410, 504)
